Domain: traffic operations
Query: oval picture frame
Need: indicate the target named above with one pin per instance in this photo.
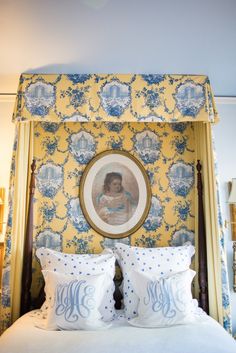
(115, 194)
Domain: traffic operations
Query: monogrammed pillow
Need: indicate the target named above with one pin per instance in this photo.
(162, 261)
(83, 265)
(163, 300)
(74, 301)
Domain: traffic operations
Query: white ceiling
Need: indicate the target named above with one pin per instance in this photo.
(125, 36)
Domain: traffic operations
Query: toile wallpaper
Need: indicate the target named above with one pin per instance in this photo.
(62, 151)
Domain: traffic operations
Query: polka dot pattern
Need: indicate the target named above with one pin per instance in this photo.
(160, 261)
(84, 265)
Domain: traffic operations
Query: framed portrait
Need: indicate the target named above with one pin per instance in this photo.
(115, 194)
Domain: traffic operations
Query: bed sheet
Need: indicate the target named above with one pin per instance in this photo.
(203, 336)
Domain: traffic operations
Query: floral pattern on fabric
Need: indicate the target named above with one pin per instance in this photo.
(109, 109)
(115, 98)
(59, 221)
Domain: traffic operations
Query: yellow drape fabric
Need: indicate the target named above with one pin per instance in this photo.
(115, 97)
(110, 99)
(24, 156)
(204, 152)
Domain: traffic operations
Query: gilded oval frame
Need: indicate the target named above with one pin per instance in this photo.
(85, 204)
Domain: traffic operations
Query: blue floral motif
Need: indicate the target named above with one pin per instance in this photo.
(40, 97)
(49, 239)
(179, 127)
(82, 146)
(10, 214)
(152, 98)
(155, 216)
(78, 78)
(48, 212)
(5, 298)
(7, 244)
(225, 292)
(147, 146)
(153, 78)
(82, 244)
(182, 236)
(50, 127)
(183, 210)
(147, 241)
(49, 179)
(190, 98)
(225, 300)
(115, 144)
(77, 96)
(116, 127)
(181, 178)
(227, 323)
(76, 216)
(180, 144)
(151, 176)
(115, 97)
(50, 145)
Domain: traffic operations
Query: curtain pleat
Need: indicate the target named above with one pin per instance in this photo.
(215, 255)
(16, 227)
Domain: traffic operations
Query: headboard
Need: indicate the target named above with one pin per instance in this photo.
(27, 304)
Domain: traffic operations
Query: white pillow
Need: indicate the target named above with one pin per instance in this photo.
(163, 300)
(74, 301)
(83, 265)
(163, 261)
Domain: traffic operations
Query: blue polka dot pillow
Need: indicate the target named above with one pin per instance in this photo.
(82, 265)
(162, 261)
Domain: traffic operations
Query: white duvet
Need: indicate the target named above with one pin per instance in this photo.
(204, 336)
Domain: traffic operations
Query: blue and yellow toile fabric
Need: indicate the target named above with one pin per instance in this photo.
(58, 220)
(115, 98)
(109, 112)
(169, 162)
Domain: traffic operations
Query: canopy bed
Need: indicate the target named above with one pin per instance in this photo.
(160, 125)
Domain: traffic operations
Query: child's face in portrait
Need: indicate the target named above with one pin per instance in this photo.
(115, 186)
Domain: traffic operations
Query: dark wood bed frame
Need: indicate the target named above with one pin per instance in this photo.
(26, 302)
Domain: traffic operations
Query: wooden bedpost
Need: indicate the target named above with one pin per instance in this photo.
(202, 251)
(27, 261)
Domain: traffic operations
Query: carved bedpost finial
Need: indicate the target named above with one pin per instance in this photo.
(33, 166)
(199, 167)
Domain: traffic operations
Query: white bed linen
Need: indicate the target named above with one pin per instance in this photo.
(204, 336)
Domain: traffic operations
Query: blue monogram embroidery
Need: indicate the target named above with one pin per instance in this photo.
(74, 300)
(160, 295)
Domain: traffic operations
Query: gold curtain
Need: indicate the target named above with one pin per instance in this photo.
(204, 152)
(24, 156)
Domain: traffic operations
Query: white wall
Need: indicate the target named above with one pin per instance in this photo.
(6, 143)
(225, 142)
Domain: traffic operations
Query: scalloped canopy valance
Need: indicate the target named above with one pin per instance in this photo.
(114, 97)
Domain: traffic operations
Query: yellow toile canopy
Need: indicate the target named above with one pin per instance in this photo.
(114, 98)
